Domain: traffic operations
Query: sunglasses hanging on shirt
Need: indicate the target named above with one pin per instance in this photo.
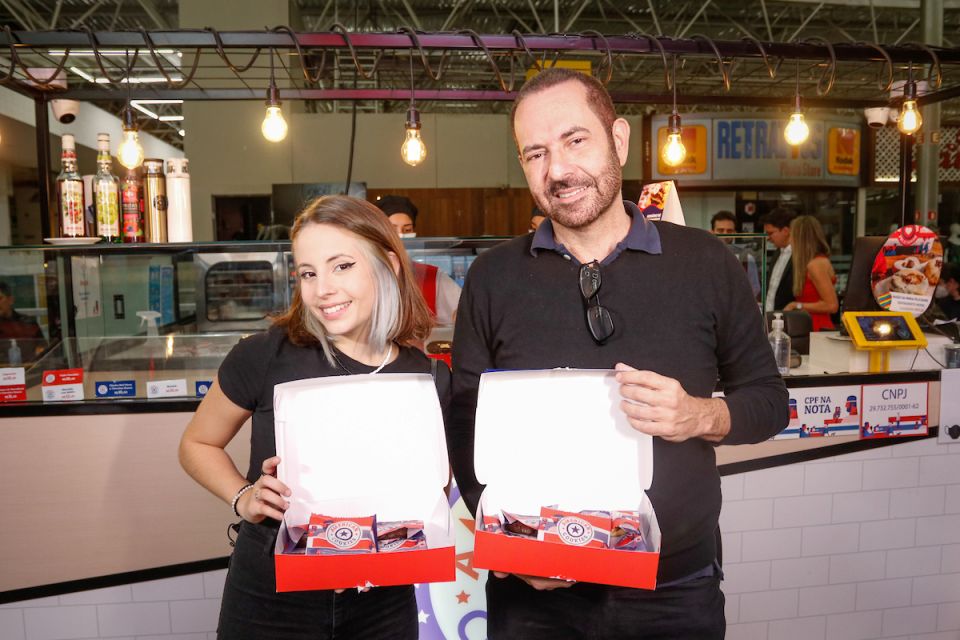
(599, 321)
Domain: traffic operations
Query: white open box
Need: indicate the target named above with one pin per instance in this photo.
(358, 446)
(559, 437)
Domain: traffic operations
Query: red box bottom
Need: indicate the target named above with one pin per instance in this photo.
(499, 552)
(307, 573)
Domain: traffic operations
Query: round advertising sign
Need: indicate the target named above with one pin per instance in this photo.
(907, 269)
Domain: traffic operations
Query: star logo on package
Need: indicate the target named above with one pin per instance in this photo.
(343, 535)
(575, 531)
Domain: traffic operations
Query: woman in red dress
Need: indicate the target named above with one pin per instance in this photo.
(813, 276)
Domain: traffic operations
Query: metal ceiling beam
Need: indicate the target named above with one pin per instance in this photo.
(151, 10)
(451, 41)
(86, 14)
(56, 14)
(403, 95)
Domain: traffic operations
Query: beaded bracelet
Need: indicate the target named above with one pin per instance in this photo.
(236, 498)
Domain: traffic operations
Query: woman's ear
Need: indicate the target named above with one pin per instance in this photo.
(395, 262)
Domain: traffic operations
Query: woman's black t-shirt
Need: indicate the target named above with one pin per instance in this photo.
(261, 361)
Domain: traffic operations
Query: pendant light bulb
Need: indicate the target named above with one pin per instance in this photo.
(273, 127)
(673, 152)
(130, 153)
(797, 130)
(413, 150)
(910, 119)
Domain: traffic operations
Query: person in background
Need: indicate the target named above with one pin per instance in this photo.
(17, 326)
(439, 290)
(948, 291)
(676, 316)
(776, 225)
(814, 280)
(356, 310)
(724, 223)
(536, 217)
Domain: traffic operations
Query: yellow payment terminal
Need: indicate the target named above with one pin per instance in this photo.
(880, 331)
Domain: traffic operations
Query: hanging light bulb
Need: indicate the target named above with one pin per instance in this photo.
(673, 152)
(413, 150)
(130, 153)
(910, 120)
(273, 127)
(797, 131)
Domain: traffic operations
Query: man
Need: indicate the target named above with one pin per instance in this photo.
(16, 326)
(536, 217)
(439, 290)
(724, 223)
(776, 225)
(948, 291)
(676, 314)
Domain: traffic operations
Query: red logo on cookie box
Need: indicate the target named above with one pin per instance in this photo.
(62, 376)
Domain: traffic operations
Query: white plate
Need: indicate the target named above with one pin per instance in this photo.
(73, 241)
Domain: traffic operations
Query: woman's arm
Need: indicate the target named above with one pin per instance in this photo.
(821, 274)
(202, 455)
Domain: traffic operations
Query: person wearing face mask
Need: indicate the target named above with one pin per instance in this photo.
(356, 310)
(948, 291)
(439, 290)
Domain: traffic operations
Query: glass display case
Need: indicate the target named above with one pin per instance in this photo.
(143, 313)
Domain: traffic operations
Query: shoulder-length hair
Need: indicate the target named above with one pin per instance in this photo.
(806, 243)
(399, 314)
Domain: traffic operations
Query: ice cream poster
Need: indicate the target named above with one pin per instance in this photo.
(891, 410)
(907, 270)
(823, 411)
(659, 201)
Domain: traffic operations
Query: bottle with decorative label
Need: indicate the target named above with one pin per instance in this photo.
(73, 224)
(106, 193)
(132, 206)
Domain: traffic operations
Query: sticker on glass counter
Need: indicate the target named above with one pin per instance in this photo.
(62, 385)
(894, 410)
(13, 386)
(202, 387)
(167, 388)
(823, 411)
(116, 388)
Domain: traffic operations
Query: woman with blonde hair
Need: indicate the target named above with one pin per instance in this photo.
(813, 275)
(356, 309)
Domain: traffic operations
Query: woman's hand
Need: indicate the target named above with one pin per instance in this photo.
(268, 498)
(790, 306)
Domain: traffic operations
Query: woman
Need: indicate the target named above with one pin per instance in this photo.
(813, 275)
(356, 309)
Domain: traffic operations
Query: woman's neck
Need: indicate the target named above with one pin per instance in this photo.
(363, 351)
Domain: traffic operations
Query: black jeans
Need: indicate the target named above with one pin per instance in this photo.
(689, 611)
(252, 608)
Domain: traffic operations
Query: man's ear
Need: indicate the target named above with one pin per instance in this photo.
(621, 139)
(394, 262)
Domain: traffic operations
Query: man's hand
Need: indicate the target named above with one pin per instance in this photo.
(658, 405)
(540, 584)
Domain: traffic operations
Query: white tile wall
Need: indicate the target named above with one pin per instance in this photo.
(879, 548)
(865, 545)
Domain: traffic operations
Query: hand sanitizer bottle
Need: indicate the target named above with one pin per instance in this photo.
(780, 343)
(14, 357)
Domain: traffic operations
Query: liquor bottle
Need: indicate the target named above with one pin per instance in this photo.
(132, 205)
(106, 193)
(73, 223)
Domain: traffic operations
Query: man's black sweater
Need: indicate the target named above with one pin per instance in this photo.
(687, 313)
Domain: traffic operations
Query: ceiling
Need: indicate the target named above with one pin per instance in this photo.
(891, 22)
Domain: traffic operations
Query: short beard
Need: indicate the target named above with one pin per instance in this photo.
(607, 188)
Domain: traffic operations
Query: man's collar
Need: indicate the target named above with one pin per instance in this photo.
(642, 235)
